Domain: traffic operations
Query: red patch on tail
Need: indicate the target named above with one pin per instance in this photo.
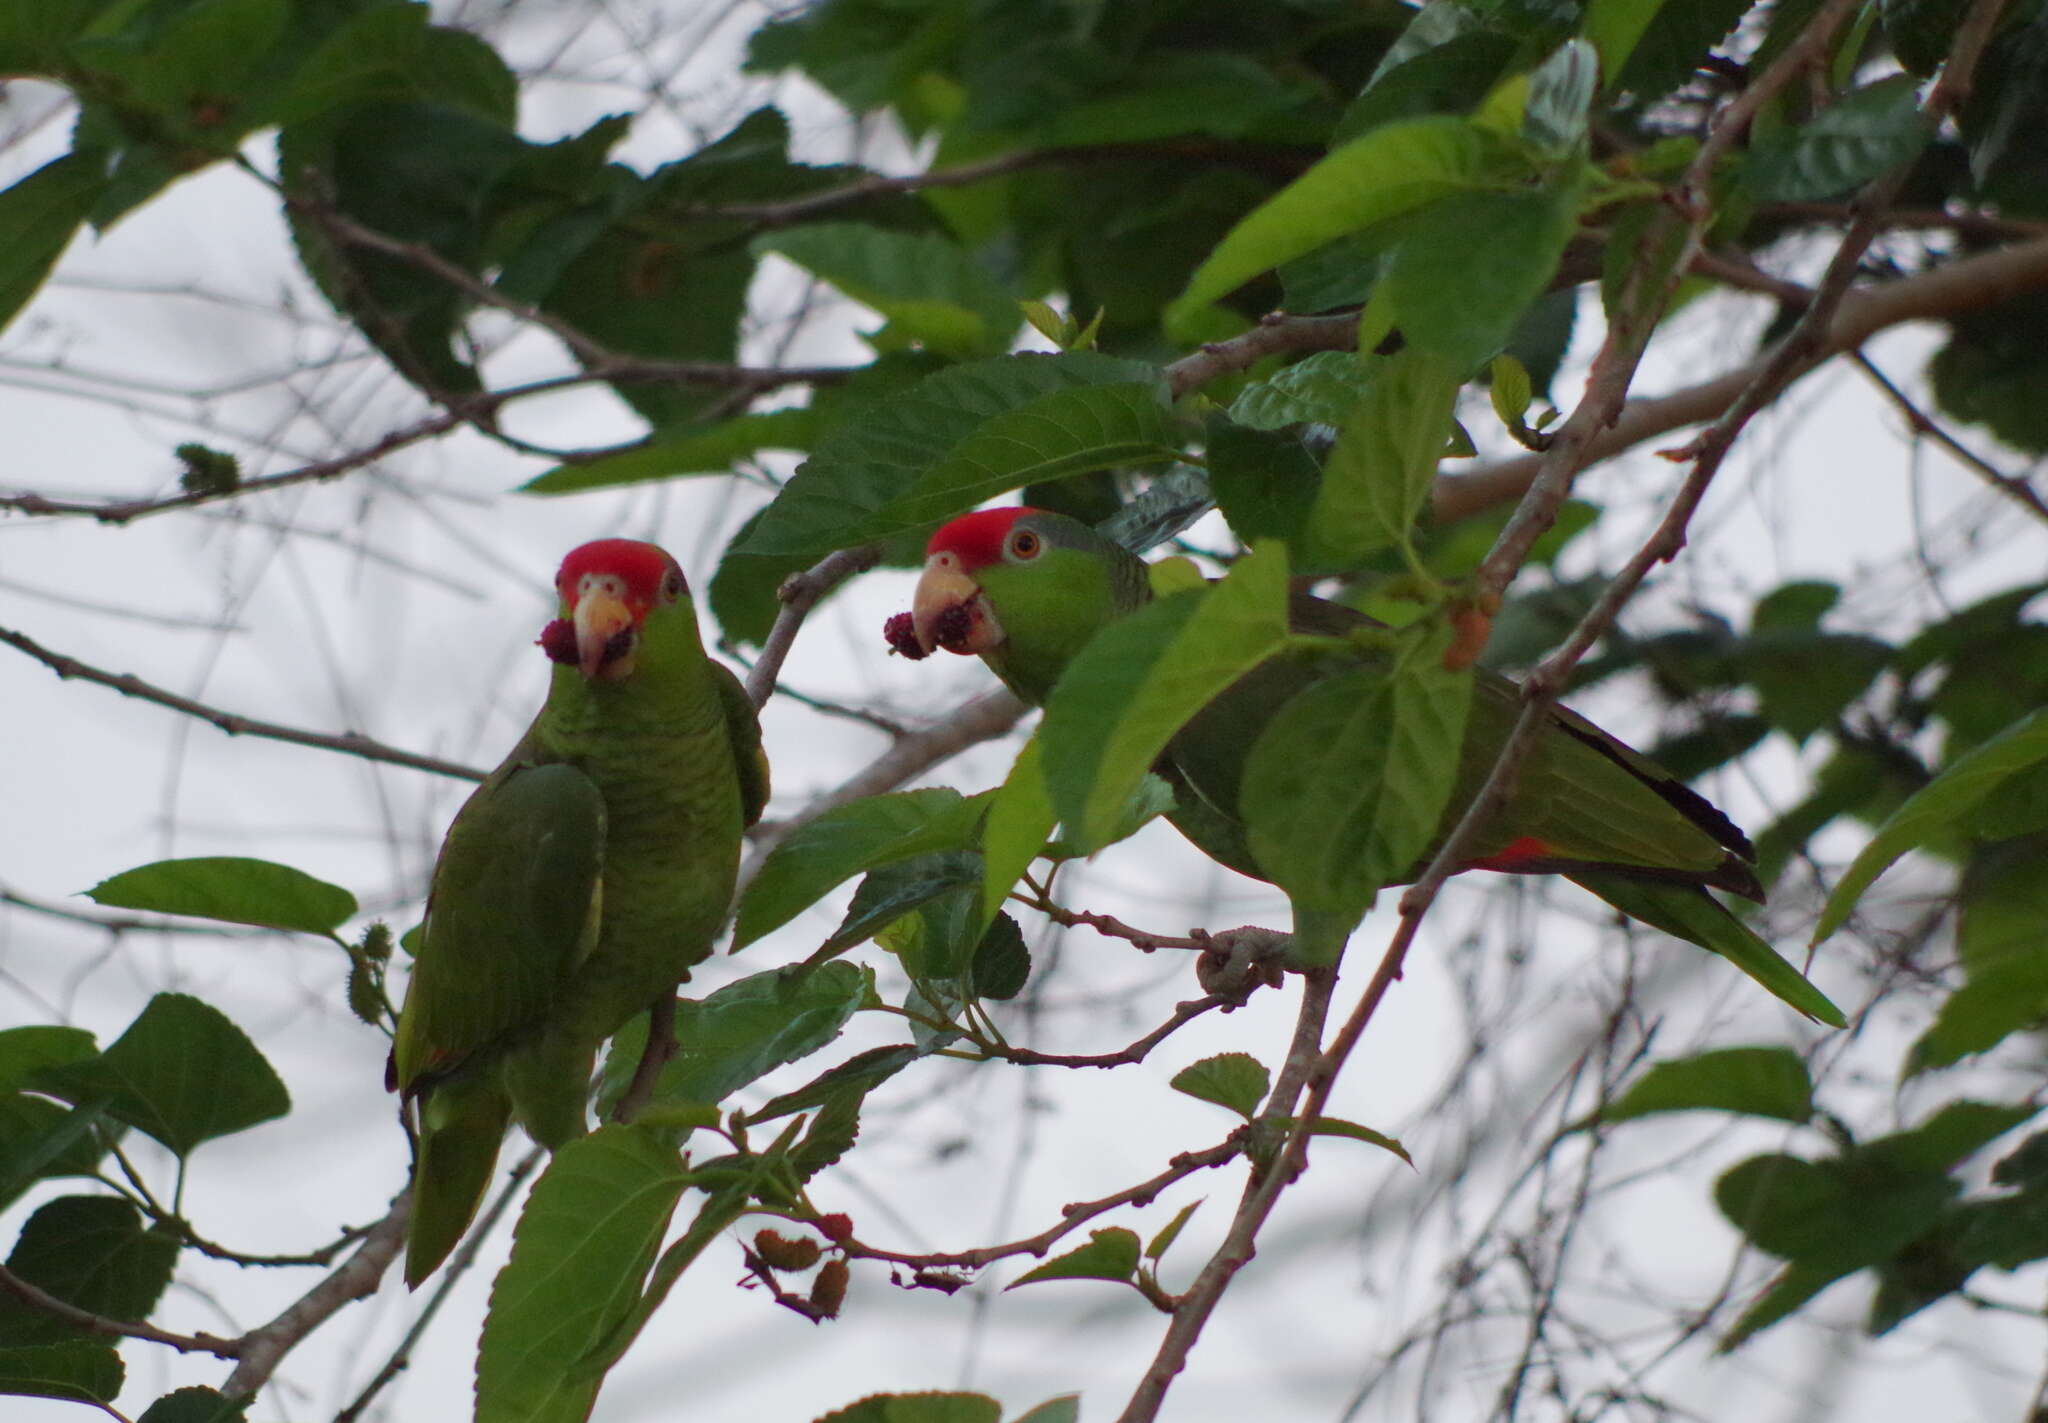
(1517, 853)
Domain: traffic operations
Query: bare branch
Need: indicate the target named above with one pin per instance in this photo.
(978, 719)
(1195, 1305)
(1276, 334)
(44, 1302)
(2012, 486)
(1073, 1216)
(1967, 284)
(263, 1348)
(660, 1047)
(801, 592)
(1262, 157)
(463, 1261)
(234, 724)
(1183, 1014)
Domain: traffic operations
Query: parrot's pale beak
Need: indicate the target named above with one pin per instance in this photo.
(605, 635)
(949, 611)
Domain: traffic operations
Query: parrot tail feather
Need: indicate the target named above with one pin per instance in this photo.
(462, 1121)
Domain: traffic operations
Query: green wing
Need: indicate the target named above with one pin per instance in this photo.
(512, 909)
(744, 729)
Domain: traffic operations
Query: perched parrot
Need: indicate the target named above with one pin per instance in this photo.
(578, 884)
(1026, 589)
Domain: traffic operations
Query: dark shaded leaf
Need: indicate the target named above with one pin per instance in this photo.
(182, 1073)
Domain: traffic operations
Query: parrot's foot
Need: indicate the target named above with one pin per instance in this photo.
(1237, 962)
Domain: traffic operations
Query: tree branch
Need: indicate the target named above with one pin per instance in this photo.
(801, 592)
(2012, 486)
(234, 724)
(1185, 1164)
(1261, 1192)
(263, 1348)
(1276, 334)
(43, 1302)
(962, 175)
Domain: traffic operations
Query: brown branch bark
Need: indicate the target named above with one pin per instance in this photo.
(1968, 284)
(801, 592)
(43, 1302)
(233, 723)
(263, 1348)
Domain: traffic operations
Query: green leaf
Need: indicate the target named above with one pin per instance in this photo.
(1064, 1409)
(584, 1243)
(1755, 1081)
(743, 1031)
(863, 1072)
(1391, 170)
(1385, 457)
(816, 857)
(1469, 264)
(196, 1405)
(1141, 678)
(1509, 388)
(1560, 94)
(961, 436)
(1020, 819)
(1945, 1140)
(24, 1051)
(1935, 807)
(1337, 1126)
(1110, 1254)
(930, 290)
(1002, 962)
(232, 890)
(39, 1139)
(38, 216)
(683, 450)
(181, 1072)
(1156, 1249)
(1999, 941)
(1827, 1215)
(1671, 44)
(1614, 26)
(1235, 1080)
(1266, 484)
(1864, 134)
(917, 1408)
(1325, 387)
(89, 1251)
(1346, 788)
(893, 890)
(79, 1371)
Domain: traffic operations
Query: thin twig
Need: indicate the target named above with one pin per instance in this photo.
(1287, 163)
(1072, 1216)
(44, 1302)
(1199, 1300)
(264, 1347)
(1183, 1014)
(1276, 334)
(352, 743)
(1968, 284)
(2012, 486)
(458, 1266)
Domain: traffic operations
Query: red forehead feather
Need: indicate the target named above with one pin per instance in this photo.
(977, 538)
(643, 566)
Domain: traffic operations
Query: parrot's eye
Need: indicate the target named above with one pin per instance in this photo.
(1024, 544)
(672, 586)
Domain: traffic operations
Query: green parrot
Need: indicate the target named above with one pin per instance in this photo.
(577, 885)
(1026, 589)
